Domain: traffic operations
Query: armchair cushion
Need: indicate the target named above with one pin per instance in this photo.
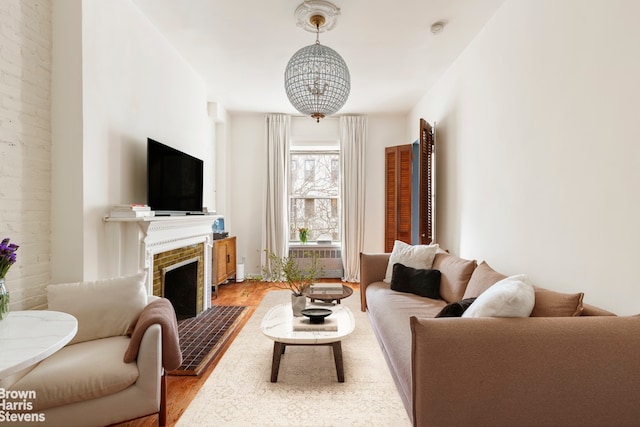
(80, 372)
(104, 308)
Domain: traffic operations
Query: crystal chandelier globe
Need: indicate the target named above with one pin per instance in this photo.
(317, 79)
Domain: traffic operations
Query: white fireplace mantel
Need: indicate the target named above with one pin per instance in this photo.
(132, 243)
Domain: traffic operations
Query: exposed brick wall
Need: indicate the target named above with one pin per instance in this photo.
(168, 258)
(25, 145)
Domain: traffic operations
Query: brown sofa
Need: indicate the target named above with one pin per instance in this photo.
(581, 369)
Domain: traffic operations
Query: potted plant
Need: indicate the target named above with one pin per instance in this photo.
(7, 259)
(285, 273)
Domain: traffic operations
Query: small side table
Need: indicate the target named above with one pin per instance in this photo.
(325, 297)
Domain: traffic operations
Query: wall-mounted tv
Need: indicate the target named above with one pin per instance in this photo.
(174, 180)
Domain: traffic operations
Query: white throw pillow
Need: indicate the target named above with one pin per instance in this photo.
(414, 256)
(104, 308)
(510, 297)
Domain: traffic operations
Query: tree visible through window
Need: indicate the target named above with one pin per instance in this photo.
(314, 194)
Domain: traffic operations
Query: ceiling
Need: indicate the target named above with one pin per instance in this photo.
(241, 47)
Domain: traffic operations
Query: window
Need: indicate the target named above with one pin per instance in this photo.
(314, 193)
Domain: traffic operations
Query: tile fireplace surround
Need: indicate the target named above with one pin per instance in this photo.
(135, 243)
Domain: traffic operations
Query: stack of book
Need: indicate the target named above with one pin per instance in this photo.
(325, 288)
(131, 211)
(304, 324)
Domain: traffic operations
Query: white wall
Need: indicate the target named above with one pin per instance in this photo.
(134, 86)
(248, 168)
(384, 131)
(537, 147)
(25, 146)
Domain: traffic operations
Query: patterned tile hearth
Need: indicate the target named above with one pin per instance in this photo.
(202, 337)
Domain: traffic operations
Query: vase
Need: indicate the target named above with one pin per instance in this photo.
(4, 300)
(298, 303)
(303, 237)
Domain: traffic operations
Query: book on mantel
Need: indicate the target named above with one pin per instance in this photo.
(304, 324)
(131, 211)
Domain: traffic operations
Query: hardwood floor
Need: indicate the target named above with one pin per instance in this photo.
(182, 389)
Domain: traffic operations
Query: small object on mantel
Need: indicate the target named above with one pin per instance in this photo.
(133, 210)
(132, 207)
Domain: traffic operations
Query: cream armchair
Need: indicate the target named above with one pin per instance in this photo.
(87, 383)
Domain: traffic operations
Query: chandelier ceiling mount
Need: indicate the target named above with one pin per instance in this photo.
(310, 8)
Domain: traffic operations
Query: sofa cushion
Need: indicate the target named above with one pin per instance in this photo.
(456, 273)
(482, 278)
(456, 309)
(389, 313)
(425, 283)
(556, 304)
(104, 308)
(414, 256)
(510, 297)
(80, 372)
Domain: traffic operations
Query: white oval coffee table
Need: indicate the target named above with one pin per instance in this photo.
(278, 324)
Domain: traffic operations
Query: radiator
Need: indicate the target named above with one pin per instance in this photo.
(330, 258)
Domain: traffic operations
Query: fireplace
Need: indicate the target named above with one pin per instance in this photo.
(188, 261)
(154, 243)
(180, 286)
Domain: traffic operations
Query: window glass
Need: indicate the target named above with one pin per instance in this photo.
(314, 194)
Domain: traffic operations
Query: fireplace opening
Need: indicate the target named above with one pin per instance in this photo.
(180, 286)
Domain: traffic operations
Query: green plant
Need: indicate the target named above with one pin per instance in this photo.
(285, 272)
(304, 234)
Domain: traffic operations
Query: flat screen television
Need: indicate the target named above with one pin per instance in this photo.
(174, 180)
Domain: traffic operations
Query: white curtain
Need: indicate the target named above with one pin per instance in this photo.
(353, 136)
(275, 221)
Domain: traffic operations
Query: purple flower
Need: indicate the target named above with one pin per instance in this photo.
(7, 256)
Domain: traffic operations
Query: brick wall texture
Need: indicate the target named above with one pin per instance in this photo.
(25, 146)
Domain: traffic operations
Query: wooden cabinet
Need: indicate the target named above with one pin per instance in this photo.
(224, 260)
(409, 191)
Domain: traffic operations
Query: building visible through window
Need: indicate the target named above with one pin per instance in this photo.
(314, 193)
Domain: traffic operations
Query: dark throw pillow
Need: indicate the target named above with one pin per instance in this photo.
(455, 309)
(425, 283)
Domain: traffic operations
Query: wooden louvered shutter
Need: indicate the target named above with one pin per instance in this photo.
(391, 155)
(398, 161)
(403, 225)
(427, 208)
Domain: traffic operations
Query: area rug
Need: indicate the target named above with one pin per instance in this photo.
(239, 392)
(202, 337)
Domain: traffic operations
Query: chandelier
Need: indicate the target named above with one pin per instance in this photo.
(317, 79)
